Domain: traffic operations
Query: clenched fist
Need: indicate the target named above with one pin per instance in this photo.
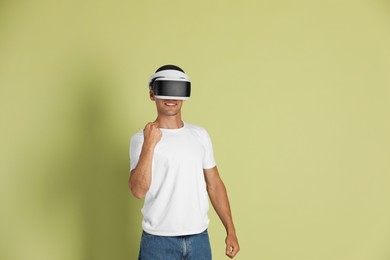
(152, 134)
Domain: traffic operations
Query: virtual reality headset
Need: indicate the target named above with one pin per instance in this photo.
(170, 82)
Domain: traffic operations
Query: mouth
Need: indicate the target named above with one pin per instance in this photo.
(170, 103)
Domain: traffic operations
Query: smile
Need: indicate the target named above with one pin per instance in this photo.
(171, 104)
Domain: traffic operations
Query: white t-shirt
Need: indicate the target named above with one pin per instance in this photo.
(177, 201)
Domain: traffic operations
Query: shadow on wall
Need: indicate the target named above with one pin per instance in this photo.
(92, 177)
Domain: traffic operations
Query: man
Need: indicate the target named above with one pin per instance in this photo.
(172, 167)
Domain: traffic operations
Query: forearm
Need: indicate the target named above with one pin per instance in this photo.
(141, 176)
(219, 200)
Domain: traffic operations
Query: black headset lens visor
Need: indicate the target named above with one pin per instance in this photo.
(171, 88)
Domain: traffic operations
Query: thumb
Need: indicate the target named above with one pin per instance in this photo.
(229, 250)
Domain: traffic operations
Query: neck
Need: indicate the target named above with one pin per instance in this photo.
(169, 122)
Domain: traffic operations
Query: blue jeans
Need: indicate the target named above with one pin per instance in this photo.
(191, 247)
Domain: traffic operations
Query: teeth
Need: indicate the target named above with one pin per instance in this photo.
(170, 104)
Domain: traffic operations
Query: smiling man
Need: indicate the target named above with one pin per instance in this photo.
(172, 167)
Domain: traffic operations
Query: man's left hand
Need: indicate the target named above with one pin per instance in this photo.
(232, 246)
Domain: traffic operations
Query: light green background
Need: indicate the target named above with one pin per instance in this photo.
(295, 95)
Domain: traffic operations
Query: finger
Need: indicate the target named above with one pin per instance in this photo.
(155, 129)
(148, 125)
(229, 250)
(234, 251)
(153, 125)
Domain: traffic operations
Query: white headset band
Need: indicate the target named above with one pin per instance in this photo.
(171, 79)
(172, 97)
(169, 75)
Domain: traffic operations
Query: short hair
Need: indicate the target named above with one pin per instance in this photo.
(169, 67)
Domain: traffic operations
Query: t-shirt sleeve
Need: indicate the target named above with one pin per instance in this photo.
(136, 142)
(208, 160)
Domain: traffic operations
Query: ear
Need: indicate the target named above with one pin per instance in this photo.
(151, 95)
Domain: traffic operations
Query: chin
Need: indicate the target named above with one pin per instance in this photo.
(171, 113)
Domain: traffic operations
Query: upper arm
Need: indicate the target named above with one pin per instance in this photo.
(212, 177)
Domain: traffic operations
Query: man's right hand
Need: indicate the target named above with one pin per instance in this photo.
(152, 134)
